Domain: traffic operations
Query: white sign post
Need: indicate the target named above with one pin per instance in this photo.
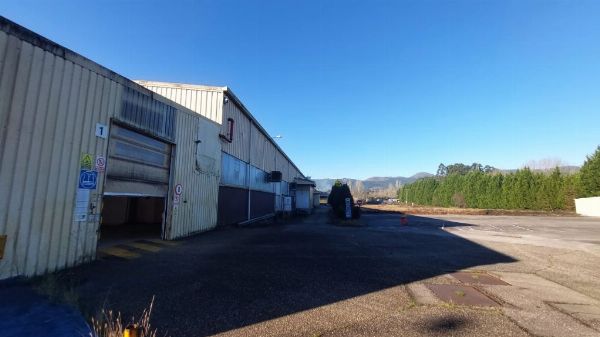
(348, 209)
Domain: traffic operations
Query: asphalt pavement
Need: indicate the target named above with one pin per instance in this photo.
(310, 278)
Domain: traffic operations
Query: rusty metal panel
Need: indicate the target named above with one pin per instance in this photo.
(196, 207)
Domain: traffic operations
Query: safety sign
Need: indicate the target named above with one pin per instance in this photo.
(86, 161)
(88, 179)
(100, 163)
(177, 195)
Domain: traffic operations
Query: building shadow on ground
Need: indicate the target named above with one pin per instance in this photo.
(228, 279)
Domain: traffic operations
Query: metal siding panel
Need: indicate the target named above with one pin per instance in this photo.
(10, 69)
(203, 102)
(11, 178)
(241, 132)
(233, 171)
(68, 161)
(48, 110)
(75, 156)
(37, 155)
(22, 194)
(200, 190)
(57, 171)
(53, 130)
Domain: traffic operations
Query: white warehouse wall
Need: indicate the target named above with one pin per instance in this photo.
(588, 206)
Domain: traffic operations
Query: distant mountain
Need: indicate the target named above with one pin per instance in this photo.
(390, 184)
(373, 183)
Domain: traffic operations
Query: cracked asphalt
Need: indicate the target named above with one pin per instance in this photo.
(310, 278)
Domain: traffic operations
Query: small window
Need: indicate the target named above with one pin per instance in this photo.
(230, 129)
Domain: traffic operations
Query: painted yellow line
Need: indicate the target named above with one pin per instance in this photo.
(119, 252)
(143, 246)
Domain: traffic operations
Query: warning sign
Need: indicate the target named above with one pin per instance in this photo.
(100, 163)
(177, 194)
(86, 161)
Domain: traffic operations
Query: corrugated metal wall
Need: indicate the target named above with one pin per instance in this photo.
(241, 132)
(48, 111)
(234, 172)
(263, 151)
(208, 103)
(197, 208)
(144, 112)
(50, 102)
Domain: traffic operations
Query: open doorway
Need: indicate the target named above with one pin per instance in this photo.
(136, 187)
(127, 217)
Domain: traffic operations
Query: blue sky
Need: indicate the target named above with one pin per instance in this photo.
(365, 88)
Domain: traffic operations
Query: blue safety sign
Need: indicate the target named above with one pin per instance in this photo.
(88, 179)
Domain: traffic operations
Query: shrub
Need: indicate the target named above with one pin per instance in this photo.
(458, 200)
(337, 198)
(590, 175)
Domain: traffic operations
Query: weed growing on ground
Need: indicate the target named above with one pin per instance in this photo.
(459, 293)
(111, 325)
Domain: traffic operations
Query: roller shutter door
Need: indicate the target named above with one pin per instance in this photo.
(137, 165)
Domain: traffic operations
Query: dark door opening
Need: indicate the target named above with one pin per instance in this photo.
(127, 217)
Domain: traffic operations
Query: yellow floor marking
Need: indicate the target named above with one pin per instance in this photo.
(119, 252)
(143, 246)
(163, 242)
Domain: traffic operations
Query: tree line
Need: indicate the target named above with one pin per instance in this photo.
(477, 186)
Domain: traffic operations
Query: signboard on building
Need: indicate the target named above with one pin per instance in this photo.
(100, 163)
(177, 194)
(88, 179)
(101, 130)
(82, 204)
(287, 204)
(86, 161)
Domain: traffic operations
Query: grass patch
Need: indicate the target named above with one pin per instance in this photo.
(58, 288)
(459, 293)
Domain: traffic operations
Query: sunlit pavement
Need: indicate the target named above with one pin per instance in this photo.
(310, 278)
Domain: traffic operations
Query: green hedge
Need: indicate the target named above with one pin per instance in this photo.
(523, 189)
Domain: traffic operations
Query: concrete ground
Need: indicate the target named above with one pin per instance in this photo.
(524, 276)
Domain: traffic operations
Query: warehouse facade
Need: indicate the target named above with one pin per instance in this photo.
(87, 156)
(251, 159)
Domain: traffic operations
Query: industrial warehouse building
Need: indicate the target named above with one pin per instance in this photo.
(249, 156)
(87, 154)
